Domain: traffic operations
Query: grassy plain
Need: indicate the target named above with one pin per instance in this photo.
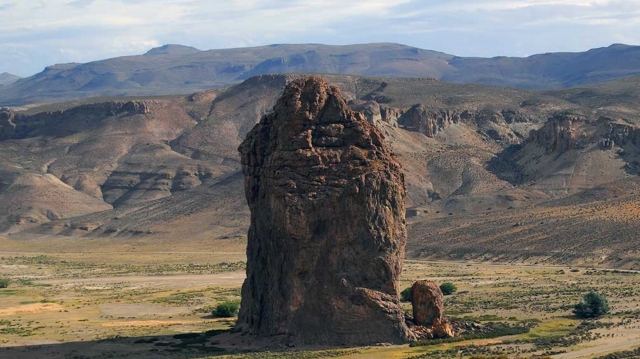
(80, 299)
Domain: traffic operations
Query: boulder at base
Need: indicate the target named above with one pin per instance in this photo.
(428, 310)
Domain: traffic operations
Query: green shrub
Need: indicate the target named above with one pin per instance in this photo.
(227, 309)
(448, 288)
(405, 295)
(4, 282)
(593, 305)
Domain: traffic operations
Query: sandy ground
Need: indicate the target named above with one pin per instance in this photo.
(31, 309)
(70, 315)
(147, 323)
(168, 281)
(629, 340)
(130, 310)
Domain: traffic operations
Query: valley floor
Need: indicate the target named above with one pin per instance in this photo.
(124, 299)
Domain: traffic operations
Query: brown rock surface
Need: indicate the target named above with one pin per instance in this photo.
(428, 310)
(443, 329)
(426, 299)
(327, 235)
(559, 134)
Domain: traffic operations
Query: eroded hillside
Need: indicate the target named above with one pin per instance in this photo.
(489, 170)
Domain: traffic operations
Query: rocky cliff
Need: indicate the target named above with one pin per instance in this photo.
(565, 132)
(65, 122)
(560, 134)
(499, 125)
(327, 235)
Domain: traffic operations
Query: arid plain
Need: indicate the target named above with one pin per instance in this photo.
(125, 221)
(82, 298)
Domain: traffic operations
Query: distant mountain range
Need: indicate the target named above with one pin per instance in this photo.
(175, 69)
(7, 78)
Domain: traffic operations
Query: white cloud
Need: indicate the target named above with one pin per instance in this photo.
(34, 34)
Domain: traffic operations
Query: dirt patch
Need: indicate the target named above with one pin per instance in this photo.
(148, 323)
(140, 310)
(31, 308)
(168, 281)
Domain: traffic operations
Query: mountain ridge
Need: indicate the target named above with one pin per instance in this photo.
(7, 78)
(178, 69)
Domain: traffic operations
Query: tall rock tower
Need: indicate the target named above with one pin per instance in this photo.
(327, 237)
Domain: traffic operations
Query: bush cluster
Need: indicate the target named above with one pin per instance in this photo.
(448, 288)
(4, 282)
(227, 309)
(405, 295)
(593, 305)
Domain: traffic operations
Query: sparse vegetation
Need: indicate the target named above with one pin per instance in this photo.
(593, 305)
(305, 354)
(56, 297)
(227, 309)
(630, 354)
(494, 330)
(405, 295)
(80, 269)
(448, 288)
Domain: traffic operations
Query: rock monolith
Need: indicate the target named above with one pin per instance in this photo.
(327, 236)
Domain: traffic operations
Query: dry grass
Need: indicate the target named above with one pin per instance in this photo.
(55, 305)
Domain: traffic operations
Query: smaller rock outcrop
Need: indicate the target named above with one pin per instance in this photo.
(426, 298)
(565, 132)
(371, 111)
(429, 122)
(428, 310)
(67, 121)
(492, 123)
(560, 134)
(622, 134)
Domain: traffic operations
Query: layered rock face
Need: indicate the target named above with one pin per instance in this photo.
(64, 122)
(623, 135)
(560, 134)
(565, 132)
(327, 235)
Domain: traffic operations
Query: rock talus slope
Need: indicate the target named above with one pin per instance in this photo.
(327, 236)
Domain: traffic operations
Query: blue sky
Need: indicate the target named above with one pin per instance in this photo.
(35, 34)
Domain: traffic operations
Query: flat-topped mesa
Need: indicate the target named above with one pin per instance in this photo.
(327, 236)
